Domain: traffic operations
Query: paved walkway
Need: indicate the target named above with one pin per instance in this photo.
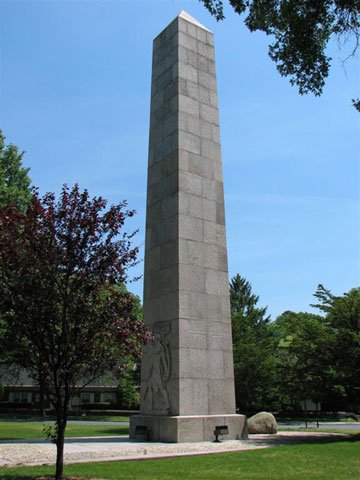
(121, 448)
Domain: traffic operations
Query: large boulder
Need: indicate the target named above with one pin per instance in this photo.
(263, 422)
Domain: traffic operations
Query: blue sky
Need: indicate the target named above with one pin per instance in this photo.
(75, 93)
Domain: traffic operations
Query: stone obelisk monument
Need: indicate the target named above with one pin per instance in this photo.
(187, 377)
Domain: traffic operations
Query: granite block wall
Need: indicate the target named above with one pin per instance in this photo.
(189, 369)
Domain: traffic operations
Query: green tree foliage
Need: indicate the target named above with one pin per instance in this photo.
(14, 179)
(14, 187)
(300, 356)
(301, 30)
(342, 315)
(318, 356)
(129, 384)
(303, 354)
(253, 346)
(67, 320)
(129, 387)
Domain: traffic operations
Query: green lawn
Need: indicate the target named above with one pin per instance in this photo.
(33, 418)
(34, 429)
(17, 430)
(331, 461)
(102, 418)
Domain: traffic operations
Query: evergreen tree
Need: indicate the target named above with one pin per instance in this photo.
(253, 346)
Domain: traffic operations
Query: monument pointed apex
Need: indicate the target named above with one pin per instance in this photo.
(191, 19)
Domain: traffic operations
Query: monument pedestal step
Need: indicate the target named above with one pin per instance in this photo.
(188, 428)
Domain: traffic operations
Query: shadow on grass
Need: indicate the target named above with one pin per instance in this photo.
(299, 438)
(85, 437)
(100, 436)
(17, 476)
(354, 438)
(112, 431)
(42, 477)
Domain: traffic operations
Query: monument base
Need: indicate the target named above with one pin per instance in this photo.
(194, 428)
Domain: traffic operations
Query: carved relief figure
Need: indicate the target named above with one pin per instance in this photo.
(158, 356)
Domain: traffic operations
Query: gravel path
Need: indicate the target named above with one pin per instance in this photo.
(84, 450)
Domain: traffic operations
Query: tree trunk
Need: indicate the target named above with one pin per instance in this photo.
(60, 451)
(42, 403)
